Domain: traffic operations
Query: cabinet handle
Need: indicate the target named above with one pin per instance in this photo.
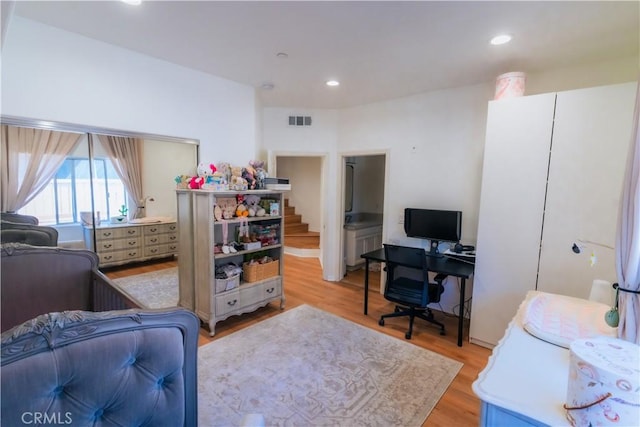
(153, 251)
(172, 227)
(133, 253)
(173, 247)
(270, 290)
(153, 240)
(107, 246)
(131, 231)
(106, 234)
(153, 229)
(232, 303)
(132, 243)
(172, 237)
(108, 257)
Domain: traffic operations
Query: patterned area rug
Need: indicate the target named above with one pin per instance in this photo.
(306, 367)
(157, 289)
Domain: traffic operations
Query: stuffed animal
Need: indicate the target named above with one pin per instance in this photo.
(196, 182)
(237, 183)
(248, 175)
(260, 173)
(252, 204)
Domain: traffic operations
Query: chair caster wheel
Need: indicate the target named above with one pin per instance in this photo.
(407, 336)
(381, 322)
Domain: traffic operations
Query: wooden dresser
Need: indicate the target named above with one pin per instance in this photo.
(124, 243)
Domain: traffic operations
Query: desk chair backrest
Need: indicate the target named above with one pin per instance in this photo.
(408, 257)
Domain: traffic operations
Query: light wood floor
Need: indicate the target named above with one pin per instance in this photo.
(303, 284)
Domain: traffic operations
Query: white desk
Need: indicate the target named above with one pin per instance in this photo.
(525, 380)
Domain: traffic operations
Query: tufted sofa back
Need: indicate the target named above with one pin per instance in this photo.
(116, 368)
(37, 280)
(36, 235)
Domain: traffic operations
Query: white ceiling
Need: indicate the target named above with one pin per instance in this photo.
(377, 50)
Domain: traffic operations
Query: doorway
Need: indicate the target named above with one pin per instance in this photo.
(303, 203)
(363, 204)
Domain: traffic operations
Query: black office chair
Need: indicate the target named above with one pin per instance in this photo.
(411, 295)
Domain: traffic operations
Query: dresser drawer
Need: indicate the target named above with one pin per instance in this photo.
(156, 239)
(119, 256)
(117, 233)
(156, 250)
(227, 302)
(117, 244)
(160, 229)
(272, 288)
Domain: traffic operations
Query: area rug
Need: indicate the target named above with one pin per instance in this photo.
(157, 289)
(306, 367)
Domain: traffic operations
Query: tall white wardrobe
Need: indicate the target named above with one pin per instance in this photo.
(552, 177)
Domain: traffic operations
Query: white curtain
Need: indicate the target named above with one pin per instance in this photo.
(126, 155)
(628, 240)
(30, 158)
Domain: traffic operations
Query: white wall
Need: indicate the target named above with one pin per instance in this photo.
(320, 139)
(163, 161)
(56, 75)
(435, 145)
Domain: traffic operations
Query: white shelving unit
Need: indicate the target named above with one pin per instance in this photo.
(197, 259)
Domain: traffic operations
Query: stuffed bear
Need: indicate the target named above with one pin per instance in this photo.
(252, 204)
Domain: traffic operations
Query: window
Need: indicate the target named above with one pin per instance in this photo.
(68, 193)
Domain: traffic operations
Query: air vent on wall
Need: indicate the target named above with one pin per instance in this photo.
(299, 120)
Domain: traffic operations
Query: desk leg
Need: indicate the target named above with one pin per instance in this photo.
(366, 285)
(461, 312)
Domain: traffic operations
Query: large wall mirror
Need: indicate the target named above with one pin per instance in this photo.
(81, 184)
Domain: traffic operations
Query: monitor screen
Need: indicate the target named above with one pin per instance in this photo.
(434, 225)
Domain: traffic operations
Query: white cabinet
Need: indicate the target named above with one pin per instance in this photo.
(124, 243)
(360, 241)
(197, 261)
(552, 176)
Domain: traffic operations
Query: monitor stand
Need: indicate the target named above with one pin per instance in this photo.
(433, 251)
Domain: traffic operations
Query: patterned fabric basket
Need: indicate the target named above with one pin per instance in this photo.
(256, 272)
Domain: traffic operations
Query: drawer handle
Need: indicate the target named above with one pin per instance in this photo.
(172, 227)
(153, 251)
(108, 257)
(173, 247)
(153, 229)
(172, 237)
(106, 246)
(232, 303)
(153, 240)
(132, 243)
(270, 290)
(106, 234)
(131, 231)
(133, 253)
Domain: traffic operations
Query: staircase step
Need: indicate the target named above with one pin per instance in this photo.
(295, 228)
(289, 210)
(292, 219)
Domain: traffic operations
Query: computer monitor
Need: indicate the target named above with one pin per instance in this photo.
(434, 225)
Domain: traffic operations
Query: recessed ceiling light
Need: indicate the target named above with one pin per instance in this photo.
(282, 55)
(267, 86)
(501, 39)
(333, 83)
(132, 2)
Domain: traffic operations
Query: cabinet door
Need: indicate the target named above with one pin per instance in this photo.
(591, 138)
(514, 176)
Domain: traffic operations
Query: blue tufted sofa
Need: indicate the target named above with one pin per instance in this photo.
(116, 368)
